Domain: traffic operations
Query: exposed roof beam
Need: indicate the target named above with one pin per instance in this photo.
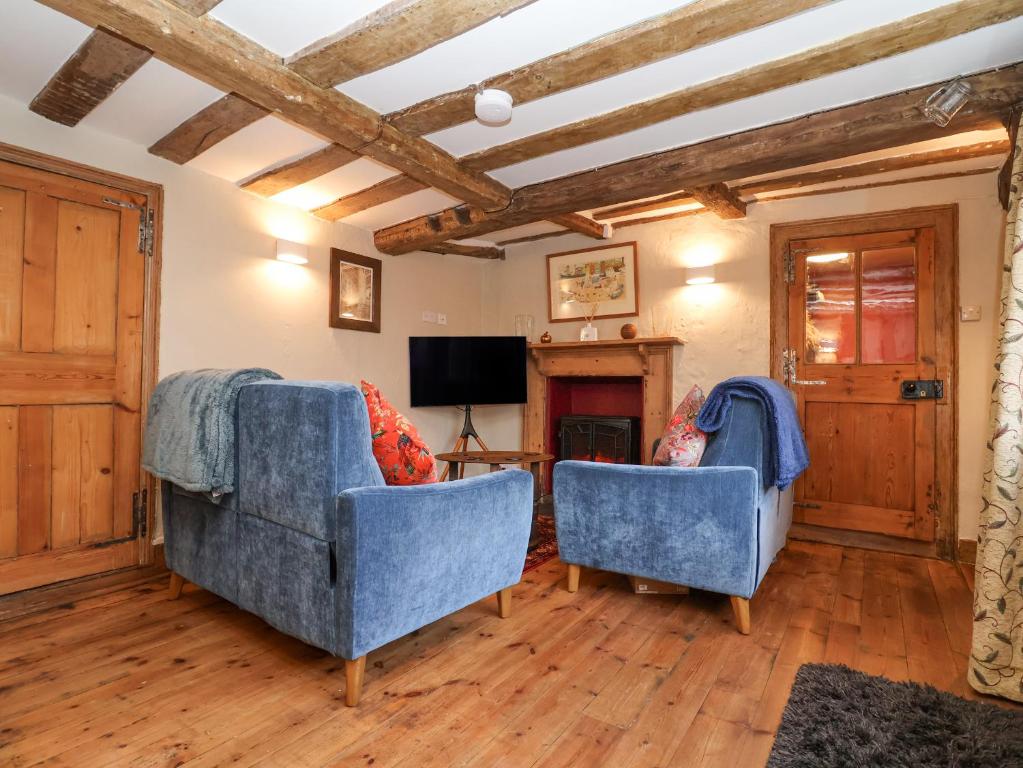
(533, 238)
(475, 251)
(872, 167)
(862, 48)
(582, 225)
(399, 30)
(720, 200)
(383, 192)
(197, 7)
(667, 201)
(98, 68)
(876, 184)
(883, 123)
(93, 72)
(307, 168)
(207, 127)
(214, 53)
(661, 217)
(698, 23)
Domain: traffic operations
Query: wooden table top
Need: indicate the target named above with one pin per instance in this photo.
(494, 457)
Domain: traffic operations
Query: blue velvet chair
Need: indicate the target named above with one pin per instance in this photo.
(713, 527)
(315, 543)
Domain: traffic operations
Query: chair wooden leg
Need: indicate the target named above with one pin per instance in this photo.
(355, 671)
(573, 577)
(177, 581)
(504, 603)
(740, 606)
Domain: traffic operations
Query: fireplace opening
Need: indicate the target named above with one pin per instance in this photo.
(607, 439)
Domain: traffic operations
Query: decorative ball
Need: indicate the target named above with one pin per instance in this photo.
(546, 338)
(629, 331)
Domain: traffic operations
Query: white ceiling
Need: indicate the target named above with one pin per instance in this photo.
(35, 41)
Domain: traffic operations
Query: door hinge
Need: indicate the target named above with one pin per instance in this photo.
(140, 513)
(790, 266)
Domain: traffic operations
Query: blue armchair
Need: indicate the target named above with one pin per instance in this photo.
(713, 527)
(315, 543)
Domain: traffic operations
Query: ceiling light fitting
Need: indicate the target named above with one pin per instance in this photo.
(493, 106)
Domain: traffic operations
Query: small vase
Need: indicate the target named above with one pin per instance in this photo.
(546, 338)
(588, 333)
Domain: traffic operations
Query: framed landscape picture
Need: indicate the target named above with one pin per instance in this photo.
(354, 291)
(601, 281)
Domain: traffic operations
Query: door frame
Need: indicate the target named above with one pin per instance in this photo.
(945, 221)
(151, 315)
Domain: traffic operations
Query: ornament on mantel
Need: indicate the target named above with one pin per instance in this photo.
(546, 338)
(589, 331)
(629, 331)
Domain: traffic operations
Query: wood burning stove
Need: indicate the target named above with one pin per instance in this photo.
(609, 439)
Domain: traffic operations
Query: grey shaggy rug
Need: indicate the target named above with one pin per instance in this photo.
(837, 717)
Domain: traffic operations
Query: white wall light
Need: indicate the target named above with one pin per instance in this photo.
(700, 275)
(292, 253)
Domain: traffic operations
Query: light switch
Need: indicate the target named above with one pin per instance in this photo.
(969, 313)
(429, 317)
(442, 319)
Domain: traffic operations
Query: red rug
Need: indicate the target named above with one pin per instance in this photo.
(546, 546)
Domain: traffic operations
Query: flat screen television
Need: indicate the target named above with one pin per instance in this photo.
(467, 370)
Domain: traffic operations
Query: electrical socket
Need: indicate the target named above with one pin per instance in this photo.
(442, 319)
(429, 317)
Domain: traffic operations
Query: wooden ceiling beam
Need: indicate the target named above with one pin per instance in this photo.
(582, 225)
(661, 217)
(534, 238)
(463, 249)
(667, 201)
(720, 200)
(855, 50)
(85, 80)
(695, 24)
(383, 192)
(311, 166)
(877, 184)
(216, 54)
(873, 167)
(393, 33)
(207, 127)
(98, 68)
(882, 123)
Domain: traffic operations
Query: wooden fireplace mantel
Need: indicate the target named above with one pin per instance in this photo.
(651, 359)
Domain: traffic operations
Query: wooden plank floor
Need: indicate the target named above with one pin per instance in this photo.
(600, 678)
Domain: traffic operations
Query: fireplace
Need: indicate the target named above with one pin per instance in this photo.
(608, 439)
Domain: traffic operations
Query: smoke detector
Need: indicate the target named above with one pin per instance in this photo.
(493, 107)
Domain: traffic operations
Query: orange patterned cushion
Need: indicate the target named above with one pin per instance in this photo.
(403, 457)
(682, 443)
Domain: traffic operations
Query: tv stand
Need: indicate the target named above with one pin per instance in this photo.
(462, 442)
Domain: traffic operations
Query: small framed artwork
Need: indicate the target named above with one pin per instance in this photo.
(593, 283)
(354, 291)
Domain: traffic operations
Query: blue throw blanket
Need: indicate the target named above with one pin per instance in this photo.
(790, 456)
(190, 429)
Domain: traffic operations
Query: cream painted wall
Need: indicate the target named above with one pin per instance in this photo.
(726, 325)
(225, 301)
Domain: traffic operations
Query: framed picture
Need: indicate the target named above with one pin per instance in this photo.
(354, 291)
(600, 282)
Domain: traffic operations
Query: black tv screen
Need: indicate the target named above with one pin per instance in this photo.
(467, 370)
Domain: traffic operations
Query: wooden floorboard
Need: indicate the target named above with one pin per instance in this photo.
(121, 675)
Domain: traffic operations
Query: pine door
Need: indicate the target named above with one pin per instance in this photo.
(72, 283)
(862, 328)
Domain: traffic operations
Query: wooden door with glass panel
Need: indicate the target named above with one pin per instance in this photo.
(861, 361)
(72, 281)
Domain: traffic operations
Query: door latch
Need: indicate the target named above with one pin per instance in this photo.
(923, 389)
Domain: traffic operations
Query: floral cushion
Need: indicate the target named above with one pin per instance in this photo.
(403, 457)
(682, 444)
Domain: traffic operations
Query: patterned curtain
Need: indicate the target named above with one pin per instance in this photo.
(996, 662)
